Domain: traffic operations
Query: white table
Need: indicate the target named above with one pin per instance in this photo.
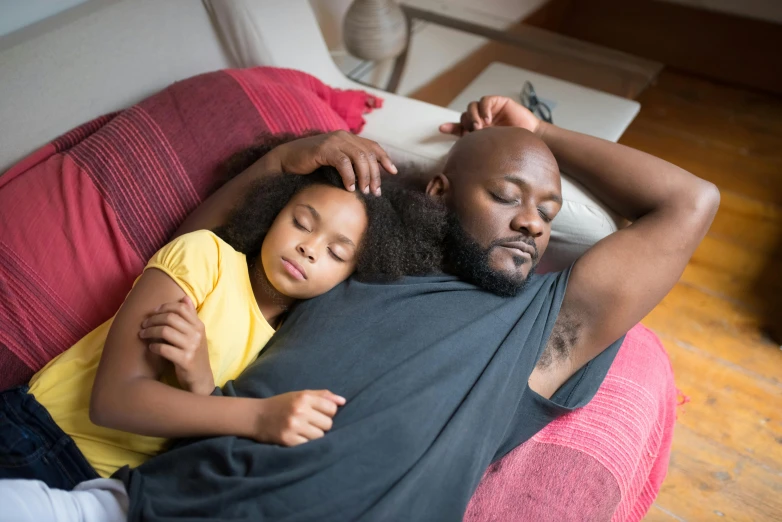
(572, 106)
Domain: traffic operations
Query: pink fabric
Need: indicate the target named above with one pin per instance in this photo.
(80, 216)
(604, 462)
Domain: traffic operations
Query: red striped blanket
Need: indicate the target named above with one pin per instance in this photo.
(82, 215)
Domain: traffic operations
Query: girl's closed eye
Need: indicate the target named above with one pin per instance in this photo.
(299, 225)
(336, 257)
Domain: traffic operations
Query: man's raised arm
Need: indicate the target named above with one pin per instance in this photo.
(620, 279)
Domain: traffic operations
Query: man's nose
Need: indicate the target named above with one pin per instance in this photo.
(529, 222)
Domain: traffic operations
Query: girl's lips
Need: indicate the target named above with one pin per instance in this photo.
(294, 269)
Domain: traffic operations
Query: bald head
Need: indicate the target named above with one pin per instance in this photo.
(499, 149)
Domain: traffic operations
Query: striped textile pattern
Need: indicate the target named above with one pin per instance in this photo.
(81, 216)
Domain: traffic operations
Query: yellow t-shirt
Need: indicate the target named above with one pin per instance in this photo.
(215, 277)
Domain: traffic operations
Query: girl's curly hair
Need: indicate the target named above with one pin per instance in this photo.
(405, 228)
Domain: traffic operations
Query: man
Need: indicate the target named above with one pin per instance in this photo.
(442, 378)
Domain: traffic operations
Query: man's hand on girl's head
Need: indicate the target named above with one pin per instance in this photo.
(358, 160)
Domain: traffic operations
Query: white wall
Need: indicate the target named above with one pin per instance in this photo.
(15, 14)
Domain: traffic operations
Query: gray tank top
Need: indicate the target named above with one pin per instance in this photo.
(435, 375)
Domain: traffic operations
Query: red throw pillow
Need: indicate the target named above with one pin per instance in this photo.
(81, 216)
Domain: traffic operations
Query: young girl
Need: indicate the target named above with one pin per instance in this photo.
(203, 309)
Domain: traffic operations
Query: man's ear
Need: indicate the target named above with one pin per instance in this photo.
(438, 187)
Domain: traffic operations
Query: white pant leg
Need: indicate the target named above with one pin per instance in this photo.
(98, 500)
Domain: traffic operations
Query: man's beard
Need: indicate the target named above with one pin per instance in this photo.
(466, 259)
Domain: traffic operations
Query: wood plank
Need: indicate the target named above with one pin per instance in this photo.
(660, 514)
(754, 177)
(731, 406)
(708, 481)
(723, 127)
(739, 274)
(732, 137)
(719, 328)
(718, 46)
(748, 107)
(752, 224)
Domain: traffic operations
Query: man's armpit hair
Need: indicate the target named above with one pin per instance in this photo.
(563, 338)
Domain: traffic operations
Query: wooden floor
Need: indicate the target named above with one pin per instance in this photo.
(726, 462)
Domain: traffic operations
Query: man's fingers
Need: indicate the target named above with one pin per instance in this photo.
(451, 128)
(357, 160)
(345, 168)
(466, 123)
(362, 169)
(382, 157)
(475, 117)
(171, 353)
(486, 107)
(374, 174)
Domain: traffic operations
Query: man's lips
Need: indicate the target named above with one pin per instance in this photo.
(294, 269)
(521, 248)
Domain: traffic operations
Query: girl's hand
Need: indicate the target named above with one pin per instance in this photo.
(358, 160)
(493, 111)
(293, 418)
(177, 334)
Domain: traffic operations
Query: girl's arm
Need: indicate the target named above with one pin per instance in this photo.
(128, 396)
(177, 334)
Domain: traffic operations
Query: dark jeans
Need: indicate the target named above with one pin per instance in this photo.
(32, 446)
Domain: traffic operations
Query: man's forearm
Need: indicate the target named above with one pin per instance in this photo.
(148, 407)
(629, 181)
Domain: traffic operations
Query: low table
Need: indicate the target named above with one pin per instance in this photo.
(572, 106)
